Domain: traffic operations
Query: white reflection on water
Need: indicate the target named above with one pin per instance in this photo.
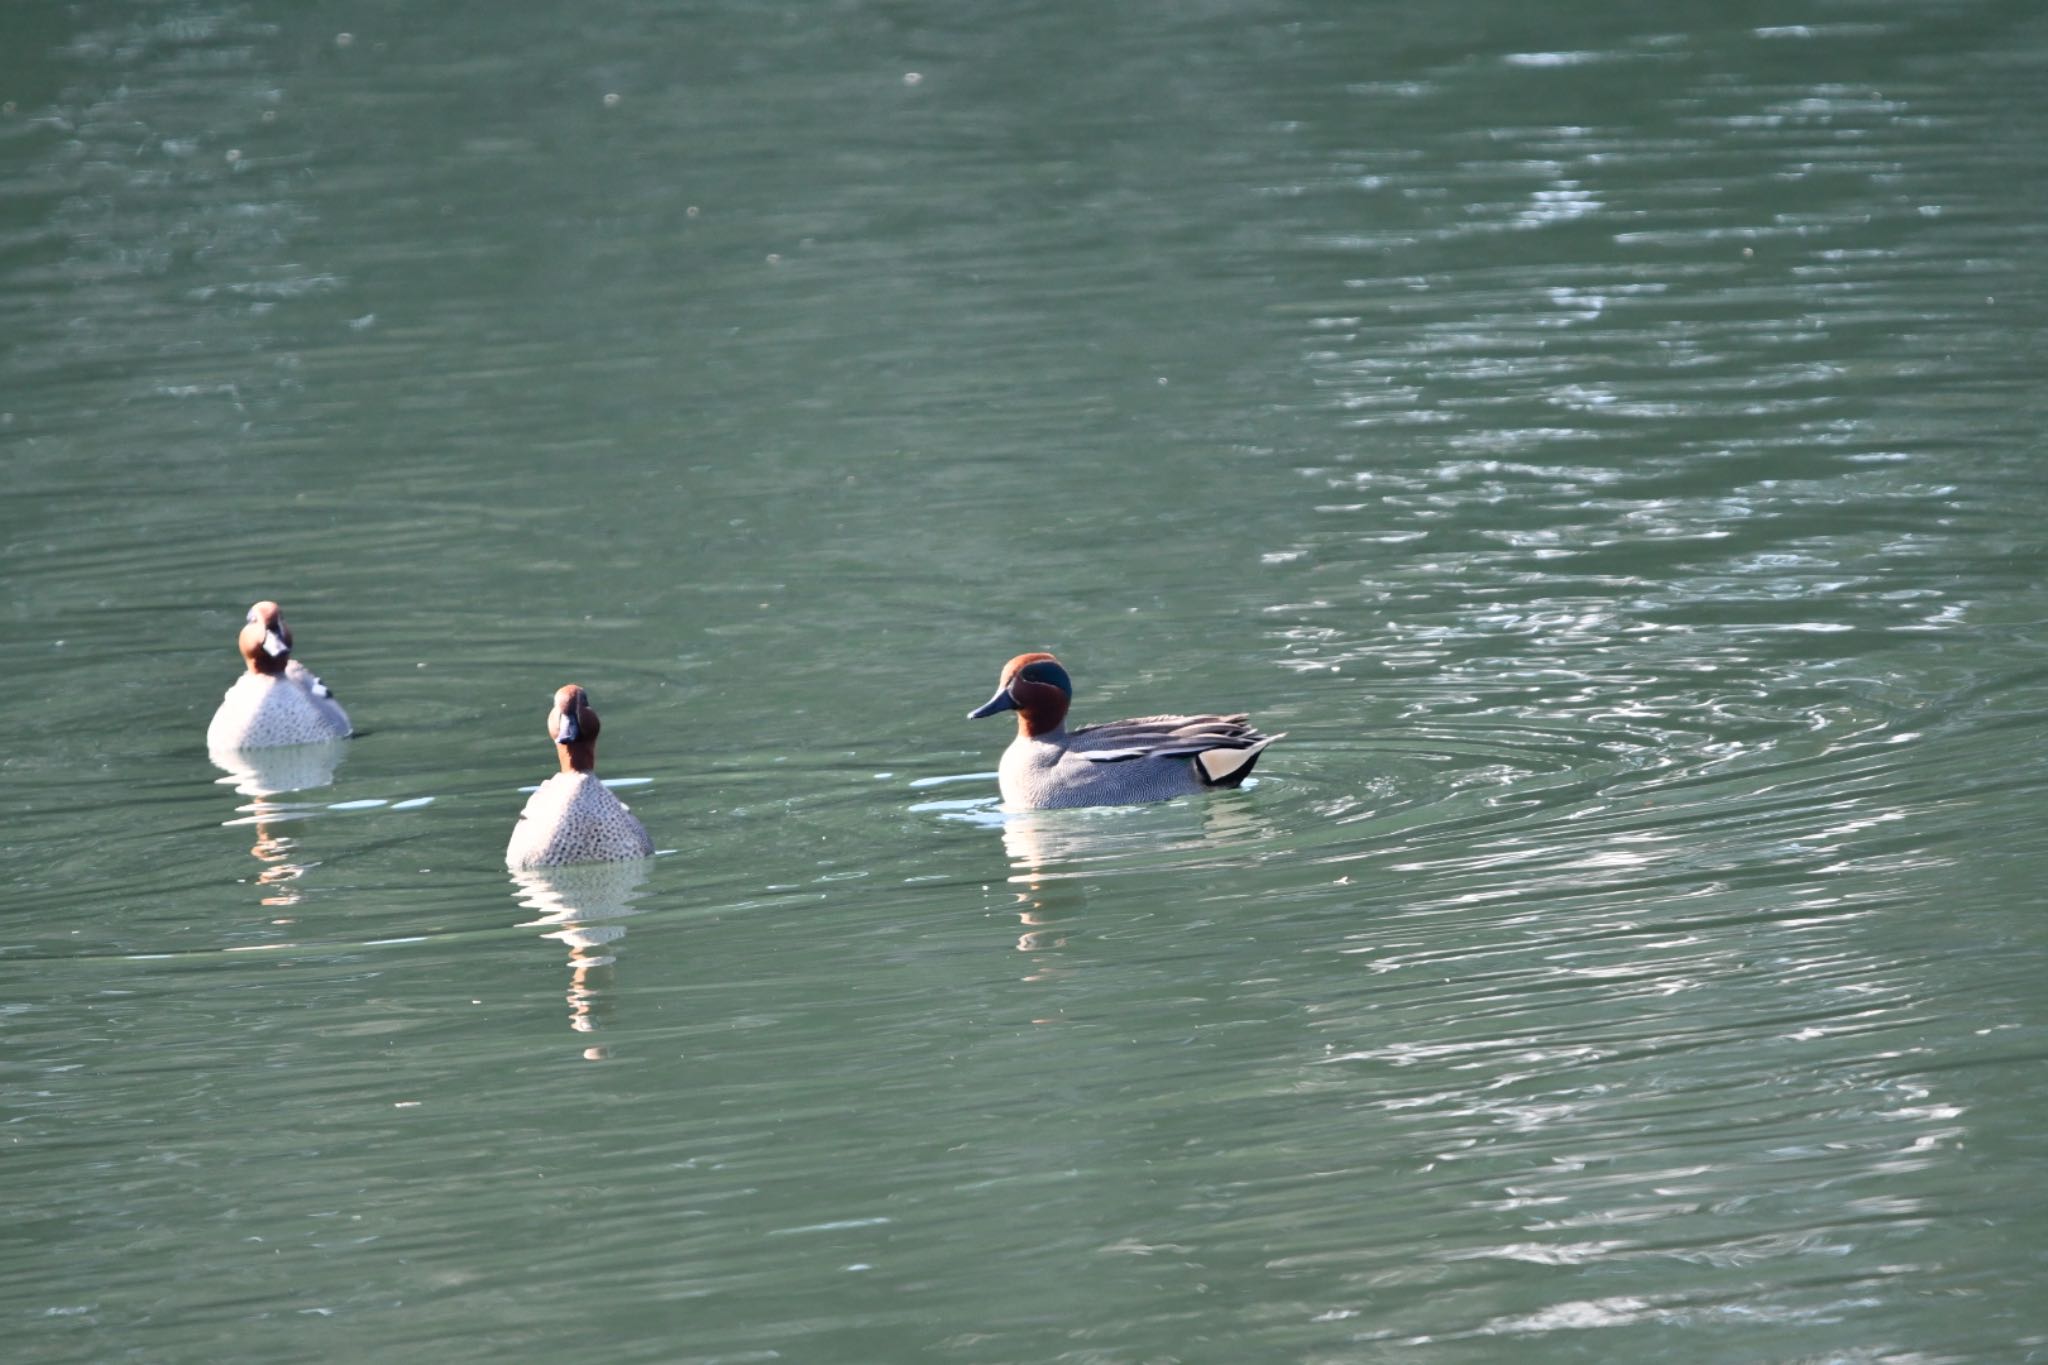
(1052, 852)
(580, 906)
(287, 768)
(261, 774)
(1045, 845)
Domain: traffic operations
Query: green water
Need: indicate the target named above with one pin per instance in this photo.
(1608, 444)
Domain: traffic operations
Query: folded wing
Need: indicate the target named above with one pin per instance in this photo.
(1224, 748)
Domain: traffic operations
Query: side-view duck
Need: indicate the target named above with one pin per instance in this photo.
(278, 700)
(572, 817)
(1115, 763)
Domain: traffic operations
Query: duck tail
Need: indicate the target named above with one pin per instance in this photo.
(1230, 767)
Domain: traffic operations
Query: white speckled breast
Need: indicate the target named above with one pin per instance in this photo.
(573, 818)
(261, 711)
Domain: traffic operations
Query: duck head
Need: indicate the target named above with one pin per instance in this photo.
(266, 641)
(573, 726)
(1036, 688)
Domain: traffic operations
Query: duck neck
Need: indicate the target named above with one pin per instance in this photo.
(580, 757)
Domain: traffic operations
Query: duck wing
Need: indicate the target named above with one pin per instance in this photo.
(321, 695)
(307, 679)
(1118, 741)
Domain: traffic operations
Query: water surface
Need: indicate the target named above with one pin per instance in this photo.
(1608, 445)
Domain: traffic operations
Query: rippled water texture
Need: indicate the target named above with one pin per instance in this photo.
(1607, 441)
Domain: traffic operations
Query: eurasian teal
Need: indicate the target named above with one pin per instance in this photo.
(572, 817)
(278, 700)
(1116, 763)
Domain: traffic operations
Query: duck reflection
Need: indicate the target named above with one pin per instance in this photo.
(261, 775)
(580, 905)
(1039, 910)
(1053, 852)
(1044, 849)
(1044, 845)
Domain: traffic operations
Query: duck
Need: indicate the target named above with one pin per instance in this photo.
(278, 700)
(1114, 763)
(572, 817)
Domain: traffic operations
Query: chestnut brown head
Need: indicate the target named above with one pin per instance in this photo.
(1037, 688)
(573, 726)
(266, 641)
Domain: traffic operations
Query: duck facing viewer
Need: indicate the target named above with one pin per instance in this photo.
(278, 700)
(572, 817)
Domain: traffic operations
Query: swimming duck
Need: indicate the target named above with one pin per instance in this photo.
(572, 817)
(279, 700)
(1119, 762)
